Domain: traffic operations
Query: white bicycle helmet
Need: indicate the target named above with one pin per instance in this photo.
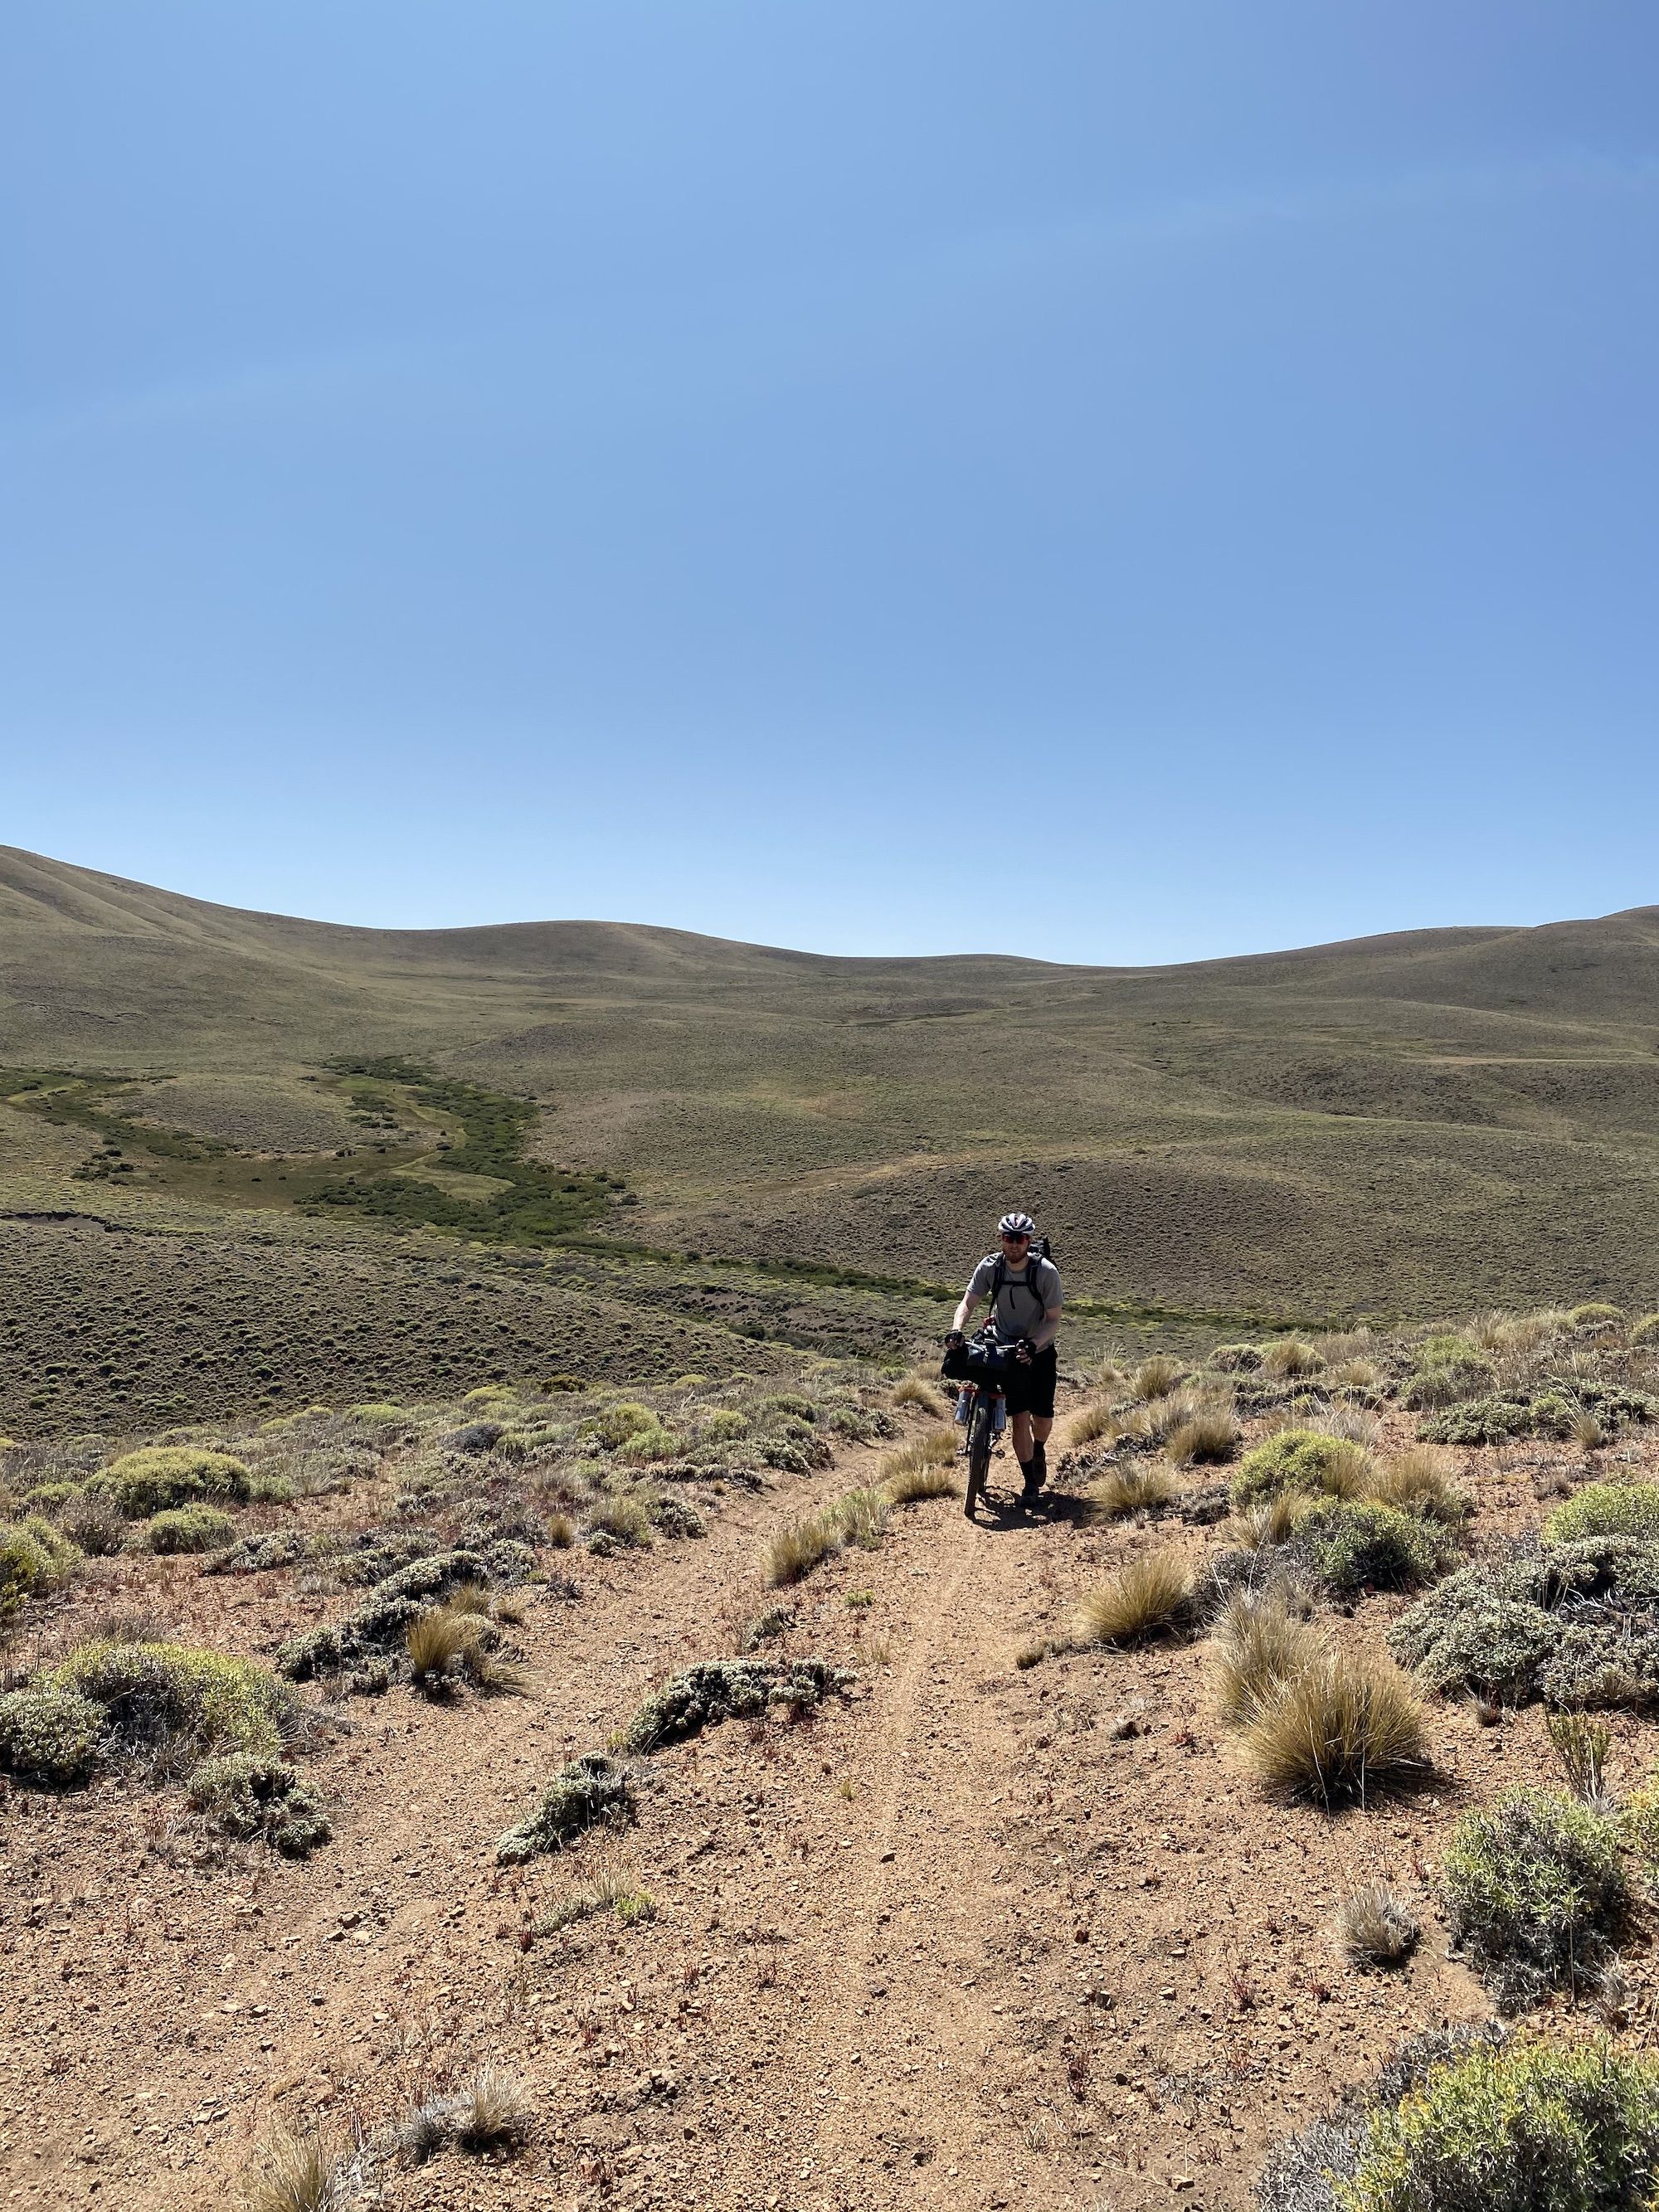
(1016, 1224)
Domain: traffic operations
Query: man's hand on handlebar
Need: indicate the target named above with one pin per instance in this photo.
(954, 1337)
(1025, 1351)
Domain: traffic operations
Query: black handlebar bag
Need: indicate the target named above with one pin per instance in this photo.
(981, 1358)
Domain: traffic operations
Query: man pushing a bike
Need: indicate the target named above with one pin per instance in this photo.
(1023, 1285)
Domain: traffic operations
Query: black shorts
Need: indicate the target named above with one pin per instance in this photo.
(1031, 1389)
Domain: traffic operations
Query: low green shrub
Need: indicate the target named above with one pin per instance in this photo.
(1450, 1368)
(590, 1789)
(35, 1559)
(1607, 1508)
(162, 1475)
(1646, 1330)
(355, 1647)
(728, 1689)
(1300, 1459)
(1594, 1319)
(176, 1699)
(1537, 2127)
(1494, 1421)
(50, 1497)
(1234, 1358)
(248, 1794)
(188, 1528)
(1536, 1892)
(51, 1733)
(615, 1423)
(650, 1446)
(1352, 1546)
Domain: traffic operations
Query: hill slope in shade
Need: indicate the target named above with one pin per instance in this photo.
(1405, 1123)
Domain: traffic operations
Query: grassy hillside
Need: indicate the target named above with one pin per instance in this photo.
(1395, 1126)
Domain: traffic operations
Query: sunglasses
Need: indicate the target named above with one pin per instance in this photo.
(1008, 1237)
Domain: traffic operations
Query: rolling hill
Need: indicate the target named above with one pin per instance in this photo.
(1396, 1125)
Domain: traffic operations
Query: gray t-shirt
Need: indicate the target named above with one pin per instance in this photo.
(1024, 1301)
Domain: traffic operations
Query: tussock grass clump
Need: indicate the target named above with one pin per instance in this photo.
(1646, 1331)
(1607, 1508)
(1551, 2127)
(918, 1390)
(161, 1475)
(611, 1894)
(1132, 1489)
(1234, 1358)
(188, 1528)
(1345, 1725)
(858, 1519)
(1536, 1893)
(1289, 1357)
(247, 1795)
(295, 2174)
(1305, 1460)
(1208, 1436)
(1271, 1521)
(1090, 1424)
(921, 1468)
(493, 2112)
(1155, 1377)
(1145, 1598)
(592, 1788)
(1375, 1927)
(623, 1518)
(1258, 1643)
(457, 1643)
(1419, 1480)
(1581, 1748)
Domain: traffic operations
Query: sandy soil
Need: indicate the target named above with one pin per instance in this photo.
(974, 1937)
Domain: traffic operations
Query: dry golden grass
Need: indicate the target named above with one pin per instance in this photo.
(493, 2113)
(561, 1531)
(1155, 1377)
(1419, 1480)
(1089, 1426)
(1160, 1417)
(1256, 1646)
(920, 1390)
(437, 1642)
(1374, 1928)
(294, 2174)
(1207, 1437)
(1361, 1374)
(858, 1518)
(1128, 1489)
(1348, 1723)
(1290, 1356)
(919, 1482)
(1148, 1594)
(1270, 1521)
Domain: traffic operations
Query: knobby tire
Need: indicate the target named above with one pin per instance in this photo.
(979, 1451)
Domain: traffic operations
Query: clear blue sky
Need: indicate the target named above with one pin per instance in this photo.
(1107, 479)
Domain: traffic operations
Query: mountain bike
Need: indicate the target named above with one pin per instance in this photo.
(978, 1365)
(988, 1412)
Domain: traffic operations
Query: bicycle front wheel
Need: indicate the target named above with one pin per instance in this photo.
(979, 1451)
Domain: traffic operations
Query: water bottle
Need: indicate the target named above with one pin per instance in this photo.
(964, 1402)
(999, 1416)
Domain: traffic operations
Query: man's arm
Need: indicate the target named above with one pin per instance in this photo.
(978, 1284)
(1048, 1329)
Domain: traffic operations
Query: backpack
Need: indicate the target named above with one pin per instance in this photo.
(1038, 1250)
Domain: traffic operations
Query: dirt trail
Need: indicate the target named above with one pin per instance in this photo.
(974, 1937)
